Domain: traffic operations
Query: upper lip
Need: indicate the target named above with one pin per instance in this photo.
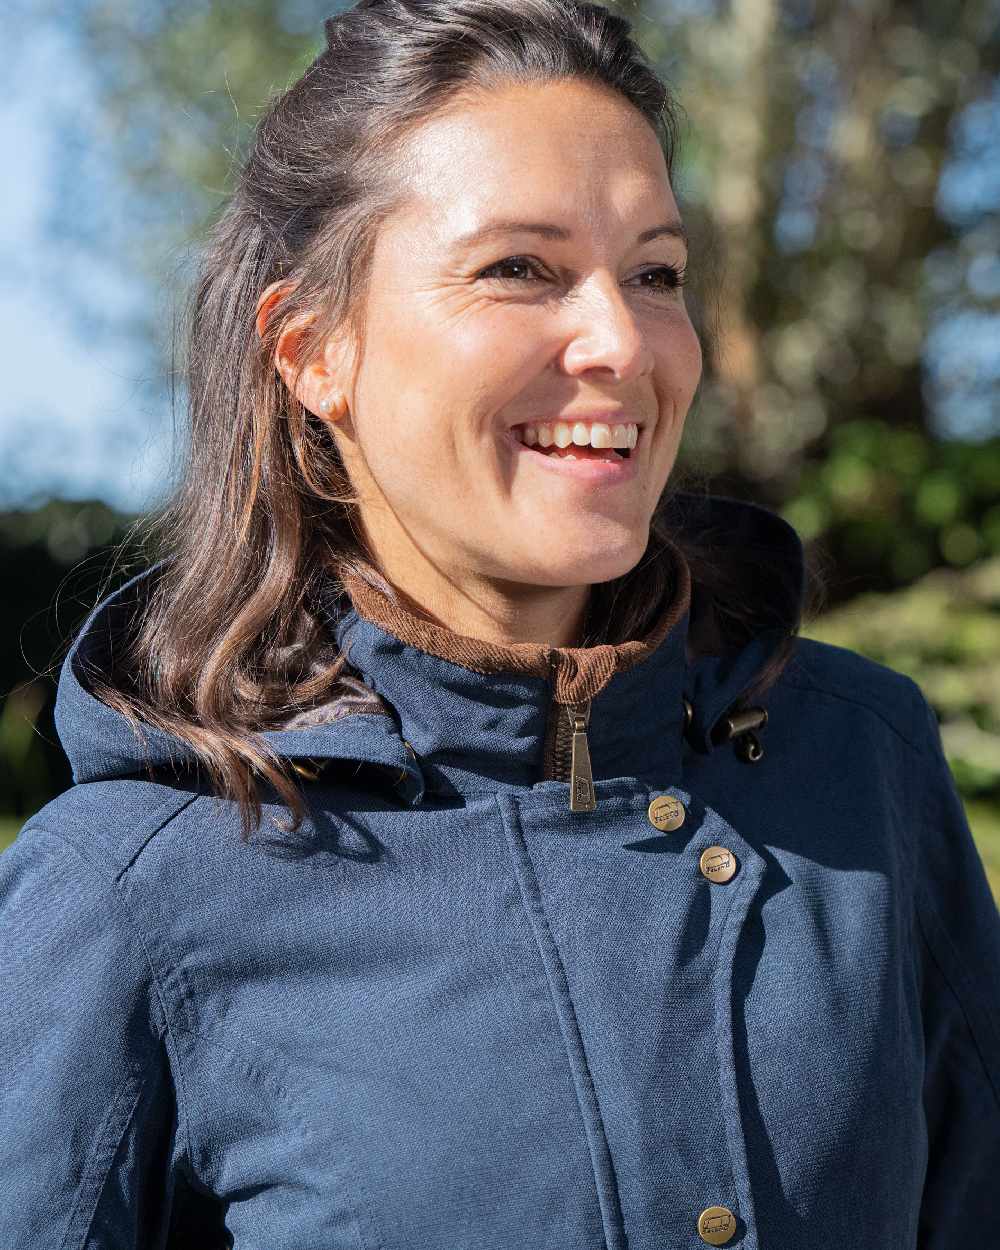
(611, 416)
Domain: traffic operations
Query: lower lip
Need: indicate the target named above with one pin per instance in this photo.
(592, 472)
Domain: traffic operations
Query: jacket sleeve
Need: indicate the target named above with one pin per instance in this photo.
(959, 934)
(86, 1102)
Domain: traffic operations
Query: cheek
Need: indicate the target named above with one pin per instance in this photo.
(402, 450)
(679, 356)
(411, 456)
(448, 342)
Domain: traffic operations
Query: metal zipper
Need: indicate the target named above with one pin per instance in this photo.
(571, 755)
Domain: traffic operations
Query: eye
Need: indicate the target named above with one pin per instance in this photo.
(511, 262)
(672, 276)
(668, 277)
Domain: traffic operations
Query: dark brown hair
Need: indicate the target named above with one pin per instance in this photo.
(228, 643)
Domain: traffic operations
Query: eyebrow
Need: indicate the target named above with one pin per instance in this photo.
(674, 229)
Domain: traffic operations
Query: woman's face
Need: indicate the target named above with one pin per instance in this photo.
(467, 339)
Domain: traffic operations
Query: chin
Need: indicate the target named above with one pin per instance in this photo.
(587, 563)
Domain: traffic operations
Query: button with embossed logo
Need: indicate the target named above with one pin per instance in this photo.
(716, 1225)
(666, 813)
(717, 863)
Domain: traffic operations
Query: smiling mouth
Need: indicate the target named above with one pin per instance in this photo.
(581, 463)
(579, 440)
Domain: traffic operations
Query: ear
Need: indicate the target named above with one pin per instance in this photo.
(316, 389)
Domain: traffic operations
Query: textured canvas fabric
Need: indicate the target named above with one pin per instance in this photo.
(448, 1013)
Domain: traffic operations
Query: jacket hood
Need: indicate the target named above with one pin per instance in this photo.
(427, 713)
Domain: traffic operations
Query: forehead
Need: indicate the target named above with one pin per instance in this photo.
(566, 152)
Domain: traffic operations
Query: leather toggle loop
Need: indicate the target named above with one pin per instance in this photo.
(738, 727)
(741, 722)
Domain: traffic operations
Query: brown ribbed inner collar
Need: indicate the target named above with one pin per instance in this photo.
(577, 673)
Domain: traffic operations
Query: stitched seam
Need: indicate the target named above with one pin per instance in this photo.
(87, 832)
(807, 684)
(152, 833)
(959, 998)
(247, 1061)
(562, 1001)
(105, 1172)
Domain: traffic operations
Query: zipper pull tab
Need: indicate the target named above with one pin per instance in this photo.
(581, 778)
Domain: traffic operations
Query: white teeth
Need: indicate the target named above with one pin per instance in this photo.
(579, 433)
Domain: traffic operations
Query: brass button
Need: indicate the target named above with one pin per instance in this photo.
(666, 813)
(716, 1225)
(717, 863)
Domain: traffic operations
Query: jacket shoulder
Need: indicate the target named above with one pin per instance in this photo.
(109, 822)
(838, 673)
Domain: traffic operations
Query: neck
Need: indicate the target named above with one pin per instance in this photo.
(500, 612)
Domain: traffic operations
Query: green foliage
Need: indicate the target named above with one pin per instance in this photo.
(8, 831)
(890, 503)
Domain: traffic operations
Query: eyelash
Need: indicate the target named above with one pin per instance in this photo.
(678, 276)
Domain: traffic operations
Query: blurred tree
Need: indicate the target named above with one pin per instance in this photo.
(822, 134)
(59, 557)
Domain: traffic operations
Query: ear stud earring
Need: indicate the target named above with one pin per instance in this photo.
(325, 404)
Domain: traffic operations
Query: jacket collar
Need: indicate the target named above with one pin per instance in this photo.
(476, 713)
(434, 714)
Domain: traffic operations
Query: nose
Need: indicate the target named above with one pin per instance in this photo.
(607, 334)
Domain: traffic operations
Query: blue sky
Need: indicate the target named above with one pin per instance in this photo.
(81, 413)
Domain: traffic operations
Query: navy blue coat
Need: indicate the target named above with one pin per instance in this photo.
(719, 1000)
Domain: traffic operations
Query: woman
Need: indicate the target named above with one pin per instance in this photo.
(465, 850)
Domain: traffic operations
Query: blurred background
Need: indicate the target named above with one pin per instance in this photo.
(840, 173)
